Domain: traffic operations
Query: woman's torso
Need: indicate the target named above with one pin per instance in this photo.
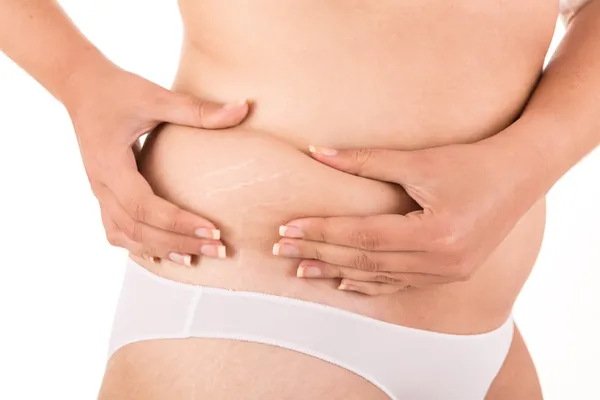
(401, 75)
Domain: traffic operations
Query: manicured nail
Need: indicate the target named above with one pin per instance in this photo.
(325, 151)
(347, 286)
(183, 259)
(285, 250)
(215, 251)
(290, 231)
(235, 104)
(152, 259)
(208, 233)
(308, 272)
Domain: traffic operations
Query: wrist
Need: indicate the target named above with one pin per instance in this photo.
(522, 146)
(84, 78)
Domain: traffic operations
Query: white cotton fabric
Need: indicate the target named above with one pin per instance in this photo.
(568, 8)
(405, 363)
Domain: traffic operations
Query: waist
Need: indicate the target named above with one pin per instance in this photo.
(250, 182)
(392, 74)
(251, 179)
(329, 106)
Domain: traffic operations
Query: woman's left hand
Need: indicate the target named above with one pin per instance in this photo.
(471, 196)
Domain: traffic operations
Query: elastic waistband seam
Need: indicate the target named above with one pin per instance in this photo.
(199, 289)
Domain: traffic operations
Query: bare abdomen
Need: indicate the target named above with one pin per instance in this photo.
(249, 183)
(358, 79)
(367, 74)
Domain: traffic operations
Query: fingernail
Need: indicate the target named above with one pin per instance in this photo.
(235, 104)
(285, 250)
(215, 251)
(346, 286)
(183, 259)
(154, 260)
(325, 151)
(208, 233)
(290, 231)
(308, 272)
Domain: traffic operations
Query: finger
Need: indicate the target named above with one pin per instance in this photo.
(135, 196)
(379, 164)
(322, 270)
(390, 232)
(139, 250)
(370, 289)
(162, 247)
(128, 233)
(363, 260)
(184, 109)
(117, 238)
(121, 240)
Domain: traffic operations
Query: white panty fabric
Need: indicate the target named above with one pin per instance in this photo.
(405, 363)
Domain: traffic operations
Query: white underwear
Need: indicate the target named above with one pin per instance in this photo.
(405, 363)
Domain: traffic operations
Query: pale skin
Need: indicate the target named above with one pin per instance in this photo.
(459, 226)
(41, 39)
(453, 247)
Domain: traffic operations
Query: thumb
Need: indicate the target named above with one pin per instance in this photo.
(184, 109)
(379, 164)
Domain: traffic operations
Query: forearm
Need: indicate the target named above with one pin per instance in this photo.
(561, 122)
(42, 40)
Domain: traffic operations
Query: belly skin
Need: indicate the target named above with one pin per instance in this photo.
(400, 75)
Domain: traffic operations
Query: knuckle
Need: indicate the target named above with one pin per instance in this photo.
(318, 254)
(454, 258)
(133, 230)
(198, 108)
(362, 156)
(364, 262)
(442, 232)
(151, 250)
(384, 278)
(136, 209)
(365, 240)
(323, 236)
(322, 230)
(174, 221)
(182, 245)
(450, 236)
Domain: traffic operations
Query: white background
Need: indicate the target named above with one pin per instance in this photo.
(56, 309)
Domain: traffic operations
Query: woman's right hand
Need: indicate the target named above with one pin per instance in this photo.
(110, 110)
